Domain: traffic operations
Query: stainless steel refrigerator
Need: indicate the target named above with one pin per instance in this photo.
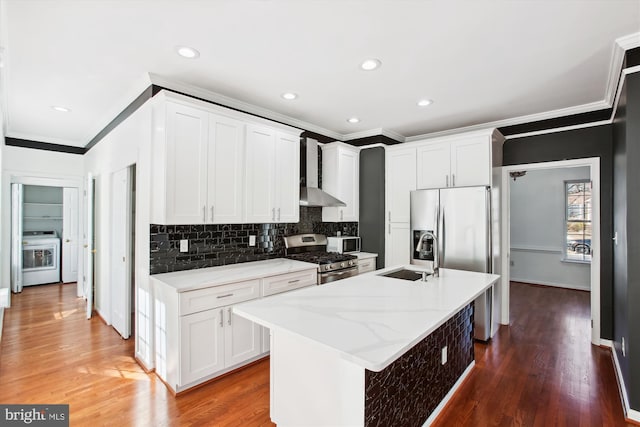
(460, 219)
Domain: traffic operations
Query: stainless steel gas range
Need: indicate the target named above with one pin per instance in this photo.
(313, 248)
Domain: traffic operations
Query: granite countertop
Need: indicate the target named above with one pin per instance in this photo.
(369, 319)
(365, 255)
(190, 280)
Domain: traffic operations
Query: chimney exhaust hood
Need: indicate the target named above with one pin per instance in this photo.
(310, 194)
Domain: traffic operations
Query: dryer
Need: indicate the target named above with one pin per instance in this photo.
(40, 257)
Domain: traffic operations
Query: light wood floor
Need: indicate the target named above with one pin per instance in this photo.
(540, 371)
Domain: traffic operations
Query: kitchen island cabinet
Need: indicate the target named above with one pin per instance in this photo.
(369, 350)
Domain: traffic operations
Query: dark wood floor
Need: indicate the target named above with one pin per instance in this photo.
(540, 371)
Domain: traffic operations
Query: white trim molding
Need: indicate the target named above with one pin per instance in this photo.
(631, 414)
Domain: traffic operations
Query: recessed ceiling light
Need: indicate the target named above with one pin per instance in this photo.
(187, 52)
(61, 109)
(370, 64)
(289, 96)
(353, 120)
(424, 102)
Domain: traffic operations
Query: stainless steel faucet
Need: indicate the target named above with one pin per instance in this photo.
(436, 263)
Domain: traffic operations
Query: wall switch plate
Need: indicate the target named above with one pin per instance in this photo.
(252, 240)
(184, 245)
(444, 354)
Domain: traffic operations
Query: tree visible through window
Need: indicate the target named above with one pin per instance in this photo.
(578, 220)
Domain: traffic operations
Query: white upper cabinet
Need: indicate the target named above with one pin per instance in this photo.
(225, 196)
(455, 162)
(185, 165)
(272, 166)
(200, 153)
(400, 182)
(260, 168)
(287, 181)
(341, 179)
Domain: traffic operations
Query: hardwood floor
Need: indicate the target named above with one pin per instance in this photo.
(540, 371)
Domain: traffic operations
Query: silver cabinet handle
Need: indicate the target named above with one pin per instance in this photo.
(273, 214)
(453, 179)
(229, 311)
(221, 318)
(278, 214)
(341, 214)
(294, 281)
(447, 180)
(204, 214)
(364, 265)
(224, 296)
(389, 216)
(211, 213)
(389, 228)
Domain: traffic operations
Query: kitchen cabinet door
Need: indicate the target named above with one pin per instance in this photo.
(260, 175)
(398, 244)
(470, 162)
(287, 179)
(201, 345)
(225, 166)
(433, 165)
(243, 339)
(341, 179)
(401, 181)
(186, 164)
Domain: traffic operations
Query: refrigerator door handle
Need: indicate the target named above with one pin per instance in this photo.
(441, 237)
(489, 268)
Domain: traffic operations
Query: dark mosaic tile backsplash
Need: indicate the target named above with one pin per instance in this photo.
(222, 244)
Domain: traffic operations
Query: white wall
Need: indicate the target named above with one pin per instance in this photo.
(126, 145)
(37, 167)
(538, 228)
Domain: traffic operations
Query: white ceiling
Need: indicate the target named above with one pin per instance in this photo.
(480, 61)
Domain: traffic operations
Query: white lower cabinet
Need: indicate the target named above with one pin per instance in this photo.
(367, 264)
(398, 244)
(199, 338)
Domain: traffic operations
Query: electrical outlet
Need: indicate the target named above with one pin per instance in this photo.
(252, 240)
(444, 354)
(624, 352)
(184, 245)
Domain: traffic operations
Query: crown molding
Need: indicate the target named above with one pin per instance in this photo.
(374, 132)
(628, 42)
(227, 101)
(558, 129)
(620, 46)
(44, 139)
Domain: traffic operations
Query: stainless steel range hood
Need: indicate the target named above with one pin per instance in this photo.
(310, 194)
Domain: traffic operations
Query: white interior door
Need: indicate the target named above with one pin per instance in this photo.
(120, 253)
(16, 237)
(89, 247)
(69, 235)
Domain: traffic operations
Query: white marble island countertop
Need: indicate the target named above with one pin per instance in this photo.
(368, 319)
(190, 280)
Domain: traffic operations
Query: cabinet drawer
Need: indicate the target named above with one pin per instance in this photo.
(287, 282)
(217, 296)
(366, 265)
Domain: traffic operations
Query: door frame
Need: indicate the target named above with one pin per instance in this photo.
(16, 177)
(594, 164)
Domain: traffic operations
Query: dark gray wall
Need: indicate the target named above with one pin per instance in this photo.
(626, 211)
(372, 202)
(576, 144)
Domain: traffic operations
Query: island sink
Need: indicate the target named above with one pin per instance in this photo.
(405, 274)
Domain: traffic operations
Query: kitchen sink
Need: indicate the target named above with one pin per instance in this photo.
(405, 274)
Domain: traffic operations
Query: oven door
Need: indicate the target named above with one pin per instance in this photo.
(332, 276)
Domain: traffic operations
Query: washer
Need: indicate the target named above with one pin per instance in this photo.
(40, 257)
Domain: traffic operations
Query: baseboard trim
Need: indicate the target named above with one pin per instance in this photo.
(606, 343)
(631, 414)
(436, 412)
(555, 285)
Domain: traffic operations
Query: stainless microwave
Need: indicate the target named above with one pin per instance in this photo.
(343, 244)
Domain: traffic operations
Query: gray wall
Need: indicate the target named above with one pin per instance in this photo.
(538, 230)
(576, 144)
(626, 212)
(372, 202)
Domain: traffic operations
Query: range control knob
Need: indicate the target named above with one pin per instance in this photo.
(328, 267)
(342, 264)
(350, 262)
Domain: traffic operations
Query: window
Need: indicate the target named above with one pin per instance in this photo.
(578, 220)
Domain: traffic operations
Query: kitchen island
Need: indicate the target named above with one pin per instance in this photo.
(369, 350)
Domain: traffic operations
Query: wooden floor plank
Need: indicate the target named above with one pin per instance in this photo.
(539, 371)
